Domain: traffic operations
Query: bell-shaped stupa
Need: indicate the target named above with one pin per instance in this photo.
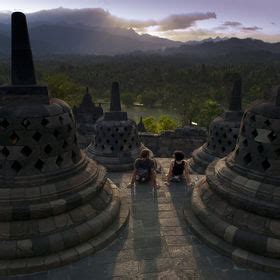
(56, 205)
(116, 144)
(222, 135)
(236, 207)
(86, 115)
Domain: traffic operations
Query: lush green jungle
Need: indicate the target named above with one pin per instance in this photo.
(172, 90)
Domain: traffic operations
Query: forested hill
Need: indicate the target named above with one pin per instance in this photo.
(231, 51)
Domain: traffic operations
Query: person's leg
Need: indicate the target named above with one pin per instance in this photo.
(154, 180)
(133, 179)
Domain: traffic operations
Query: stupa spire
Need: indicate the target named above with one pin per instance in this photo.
(22, 62)
(115, 98)
(235, 99)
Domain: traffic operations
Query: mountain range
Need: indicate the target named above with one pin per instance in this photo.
(94, 32)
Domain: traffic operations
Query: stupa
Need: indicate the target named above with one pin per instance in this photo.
(86, 114)
(56, 205)
(236, 207)
(222, 135)
(141, 127)
(116, 144)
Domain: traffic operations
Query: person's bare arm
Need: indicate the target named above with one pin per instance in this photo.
(187, 173)
(169, 175)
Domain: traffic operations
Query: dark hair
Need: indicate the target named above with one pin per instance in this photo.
(179, 155)
(145, 153)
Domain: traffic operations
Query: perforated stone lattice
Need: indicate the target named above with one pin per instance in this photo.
(258, 146)
(37, 144)
(222, 137)
(118, 137)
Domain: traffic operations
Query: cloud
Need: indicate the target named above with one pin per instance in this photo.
(102, 18)
(183, 21)
(232, 24)
(251, 28)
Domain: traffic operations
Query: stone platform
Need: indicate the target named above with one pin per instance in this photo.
(156, 244)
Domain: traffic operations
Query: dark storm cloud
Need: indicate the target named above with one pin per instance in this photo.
(100, 17)
(251, 28)
(232, 24)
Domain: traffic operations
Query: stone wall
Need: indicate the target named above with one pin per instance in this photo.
(186, 139)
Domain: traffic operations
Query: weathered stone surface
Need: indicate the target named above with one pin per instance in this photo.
(46, 182)
(116, 144)
(240, 190)
(222, 136)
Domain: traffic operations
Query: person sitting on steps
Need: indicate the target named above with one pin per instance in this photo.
(144, 170)
(179, 169)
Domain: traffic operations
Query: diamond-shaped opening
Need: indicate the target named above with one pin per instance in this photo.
(107, 141)
(253, 118)
(245, 143)
(121, 148)
(255, 133)
(216, 133)
(235, 136)
(125, 128)
(39, 165)
(129, 146)
(37, 136)
(75, 140)
(223, 149)
(272, 136)
(14, 138)
(26, 151)
(74, 157)
(230, 130)
(247, 159)
(16, 166)
(5, 152)
(267, 122)
(108, 129)
(117, 129)
(48, 149)
(229, 143)
(224, 135)
(44, 122)
(112, 148)
(220, 141)
(4, 123)
(116, 141)
(61, 119)
(26, 123)
(103, 147)
(56, 133)
(59, 160)
(266, 165)
(121, 134)
(260, 148)
(65, 144)
(69, 128)
(112, 135)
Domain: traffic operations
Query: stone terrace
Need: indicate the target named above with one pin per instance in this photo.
(156, 244)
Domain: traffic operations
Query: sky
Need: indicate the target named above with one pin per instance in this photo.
(181, 20)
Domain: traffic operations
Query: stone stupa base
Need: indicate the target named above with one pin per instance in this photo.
(66, 237)
(250, 239)
(200, 160)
